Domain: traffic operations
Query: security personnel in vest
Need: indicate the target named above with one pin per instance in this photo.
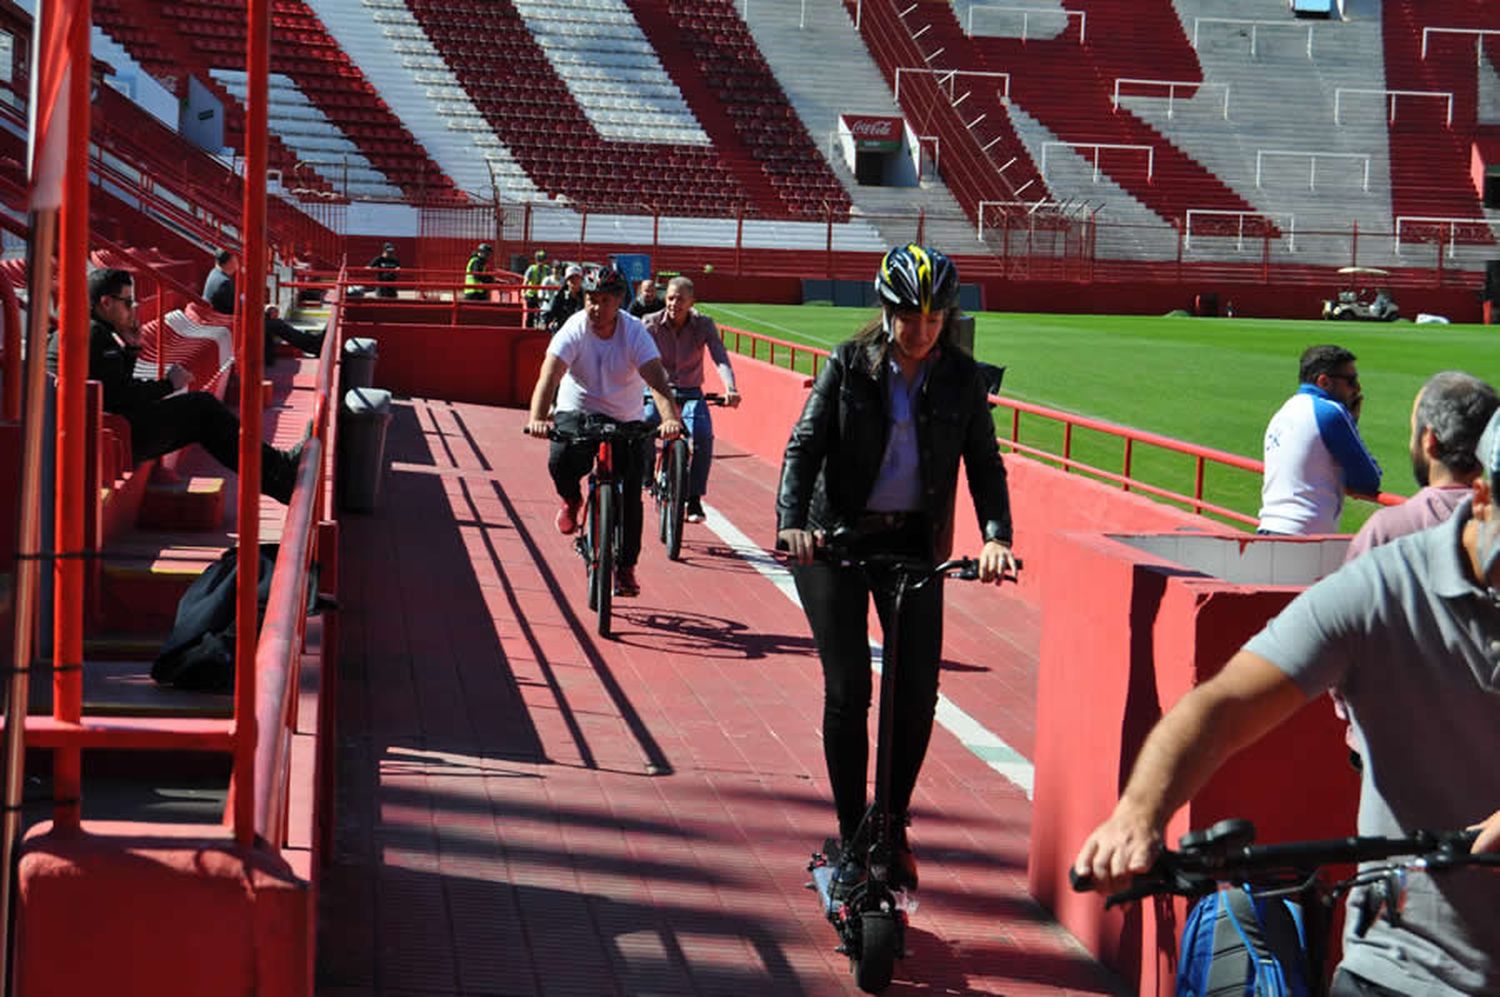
(533, 277)
(477, 273)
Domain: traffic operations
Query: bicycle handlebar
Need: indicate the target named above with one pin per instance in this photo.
(614, 432)
(1223, 853)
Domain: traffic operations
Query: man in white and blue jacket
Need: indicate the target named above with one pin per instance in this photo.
(1313, 451)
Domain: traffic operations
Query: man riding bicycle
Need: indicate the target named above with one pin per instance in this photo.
(1409, 635)
(681, 334)
(597, 364)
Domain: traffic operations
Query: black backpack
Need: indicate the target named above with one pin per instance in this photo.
(199, 653)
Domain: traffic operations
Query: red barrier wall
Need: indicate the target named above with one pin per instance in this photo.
(1154, 630)
(240, 923)
(479, 364)
(1044, 500)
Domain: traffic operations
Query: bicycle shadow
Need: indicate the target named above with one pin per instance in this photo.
(705, 636)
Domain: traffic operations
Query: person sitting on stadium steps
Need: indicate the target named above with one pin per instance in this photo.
(1409, 634)
(389, 267)
(1313, 451)
(875, 458)
(218, 291)
(681, 335)
(646, 299)
(598, 363)
(163, 416)
(568, 300)
(477, 273)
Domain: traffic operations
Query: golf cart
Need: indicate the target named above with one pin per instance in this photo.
(1360, 301)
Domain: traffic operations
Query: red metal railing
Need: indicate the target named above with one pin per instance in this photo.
(278, 654)
(766, 348)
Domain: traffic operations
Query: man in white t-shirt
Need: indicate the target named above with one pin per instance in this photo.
(595, 365)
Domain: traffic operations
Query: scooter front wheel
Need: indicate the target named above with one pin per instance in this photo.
(880, 938)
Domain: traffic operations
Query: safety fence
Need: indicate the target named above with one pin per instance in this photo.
(1061, 431)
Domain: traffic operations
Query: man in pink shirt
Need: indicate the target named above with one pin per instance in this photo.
(1449, 413)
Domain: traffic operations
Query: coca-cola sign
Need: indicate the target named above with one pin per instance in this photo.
(868, 128)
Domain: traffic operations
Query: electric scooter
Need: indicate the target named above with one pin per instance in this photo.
(871, 919)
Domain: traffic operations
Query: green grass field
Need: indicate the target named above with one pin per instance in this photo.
(1213, 382)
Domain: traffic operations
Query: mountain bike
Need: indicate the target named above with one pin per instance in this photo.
(1225, 853)
(600, 541)
(871, 919)
(668, 483)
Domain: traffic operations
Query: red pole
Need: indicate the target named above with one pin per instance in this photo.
(249, 317)
(12, 384)
(72, 371)
(1354, 245)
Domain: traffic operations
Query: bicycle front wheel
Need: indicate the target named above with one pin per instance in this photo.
(674, 508)
(604, 557)
(593, 545)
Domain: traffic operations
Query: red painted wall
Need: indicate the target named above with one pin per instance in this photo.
(172, 909)
(464, 363)
(1155, 630)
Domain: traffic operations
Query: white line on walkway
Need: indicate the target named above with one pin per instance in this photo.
(981, 742)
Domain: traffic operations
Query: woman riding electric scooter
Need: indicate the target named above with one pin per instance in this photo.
(873, 463)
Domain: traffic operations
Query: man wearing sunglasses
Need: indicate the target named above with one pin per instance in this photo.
(163, 416)
(1313, 450)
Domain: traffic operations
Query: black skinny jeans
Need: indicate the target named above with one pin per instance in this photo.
(837, 603)
(198, 417)
(569, 462)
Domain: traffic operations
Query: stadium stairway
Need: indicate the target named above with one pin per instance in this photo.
(803, 45)
(1429, 157)
(732, 64)
(1069, 88)
(1280, 99)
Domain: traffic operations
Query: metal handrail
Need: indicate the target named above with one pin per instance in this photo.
(278, 652)
(1129, 437)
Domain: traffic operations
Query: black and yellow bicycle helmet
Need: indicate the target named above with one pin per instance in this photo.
(916, 278)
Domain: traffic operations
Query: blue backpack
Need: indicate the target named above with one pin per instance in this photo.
(1236, 944)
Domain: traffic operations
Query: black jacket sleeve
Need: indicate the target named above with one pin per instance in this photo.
(983, 467)
(807, 448)
(113, 366)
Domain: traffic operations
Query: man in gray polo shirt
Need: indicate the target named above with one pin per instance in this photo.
(1410, 636)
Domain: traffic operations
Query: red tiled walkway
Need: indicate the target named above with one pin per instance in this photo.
(527, 809)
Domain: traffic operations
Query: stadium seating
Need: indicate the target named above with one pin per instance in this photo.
(1430, 158)
(1069, 86)
(202, 35)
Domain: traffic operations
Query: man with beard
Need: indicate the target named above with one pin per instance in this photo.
(1313, 451)
(1447, 416)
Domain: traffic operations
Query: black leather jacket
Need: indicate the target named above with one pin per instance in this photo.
(836, 448)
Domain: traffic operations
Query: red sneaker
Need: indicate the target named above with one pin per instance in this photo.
(567, 516)
(625, 583)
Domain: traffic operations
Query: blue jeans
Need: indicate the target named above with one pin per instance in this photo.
(700, 426)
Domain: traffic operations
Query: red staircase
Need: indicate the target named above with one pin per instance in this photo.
(709, 53)
(1429, 158)
(986, 163)
(1069, 87)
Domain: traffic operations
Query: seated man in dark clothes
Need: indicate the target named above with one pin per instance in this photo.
(218, 291)
(162, 416)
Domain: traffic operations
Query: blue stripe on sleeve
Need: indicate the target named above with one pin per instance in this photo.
(1336, 427)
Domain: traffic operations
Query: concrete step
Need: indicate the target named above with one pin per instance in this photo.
(140, 586)
(193, 503)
